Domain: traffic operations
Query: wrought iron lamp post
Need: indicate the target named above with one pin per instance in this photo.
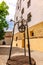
(21, 29)
(24, 24)
(15, 61)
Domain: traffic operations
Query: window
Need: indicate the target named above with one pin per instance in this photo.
(22, 11)
(18, 7)
(29, 17)
(4, 43)
(31, 33)
(16, 44)
(16, 38)
(16, 18)
(28, 3)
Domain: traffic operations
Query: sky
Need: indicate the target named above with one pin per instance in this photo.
(12, 8)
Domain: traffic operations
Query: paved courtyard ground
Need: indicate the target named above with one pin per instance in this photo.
(4, 53)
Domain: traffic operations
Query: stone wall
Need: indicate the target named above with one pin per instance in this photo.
(36, 38)
(7, 38)
(37, 30)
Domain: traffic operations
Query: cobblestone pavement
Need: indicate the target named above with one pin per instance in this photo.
(38, 56)
(3, 59)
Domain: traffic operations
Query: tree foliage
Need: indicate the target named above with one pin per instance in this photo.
(3, 13)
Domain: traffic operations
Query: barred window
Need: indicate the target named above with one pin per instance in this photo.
(16, 18)
(29, 17)
(28, 3)
(22, 11)
(18, 7)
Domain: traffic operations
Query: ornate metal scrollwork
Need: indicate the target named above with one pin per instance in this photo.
(21, 27)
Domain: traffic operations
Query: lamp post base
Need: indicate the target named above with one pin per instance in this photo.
(20, 60)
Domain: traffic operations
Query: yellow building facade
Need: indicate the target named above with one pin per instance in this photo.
(31, 10)
(35, 38)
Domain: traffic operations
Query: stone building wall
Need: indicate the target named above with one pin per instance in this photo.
(7, 38)
(35, 37)
(37, 30)
(35, 24)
